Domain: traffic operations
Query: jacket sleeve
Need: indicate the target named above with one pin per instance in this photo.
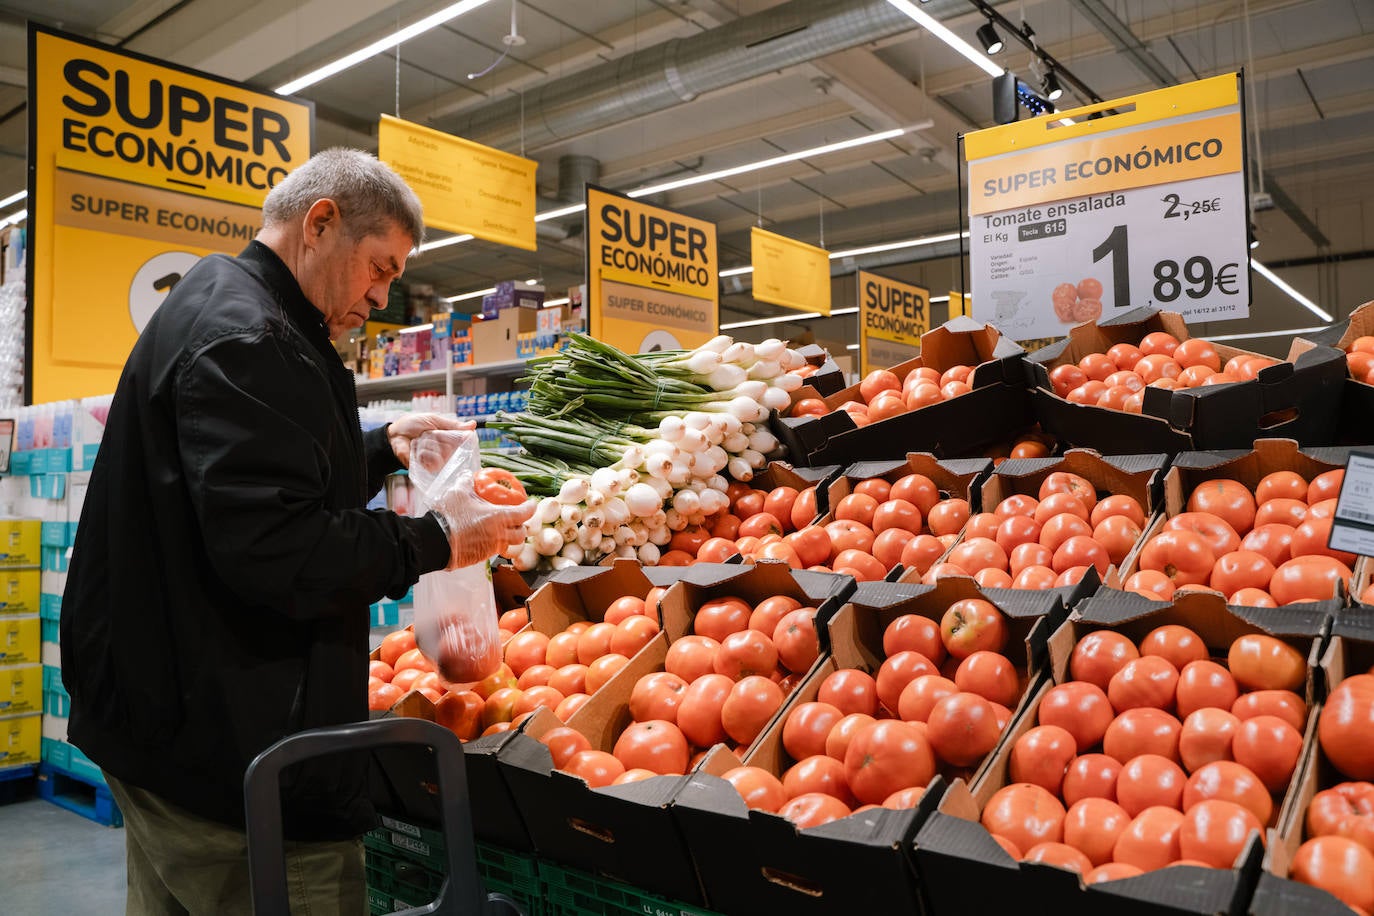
(381, 460)
(254, 423)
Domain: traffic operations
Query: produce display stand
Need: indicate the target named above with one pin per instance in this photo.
(628, 833)
(962, 869)
(1297, 400)
(996, 407)
(1350, 650)
(1357, 397)
(460, 892)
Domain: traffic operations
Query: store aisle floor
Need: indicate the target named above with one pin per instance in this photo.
(57, 863)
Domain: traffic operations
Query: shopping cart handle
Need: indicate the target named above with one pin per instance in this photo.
(462, 893)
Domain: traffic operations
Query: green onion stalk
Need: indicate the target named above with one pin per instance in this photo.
(664, 431)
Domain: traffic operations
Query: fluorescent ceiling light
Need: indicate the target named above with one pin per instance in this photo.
(1290, 332)
(783, 319)
(702, 179)
(851, 346)
(14, 198)
(1293, 294)
(432, 21)
(475, 294)
(416, 328)
(895, 246)
(17, 217)
(767, 163)
(564, 301)
(935, 299)
(736, 271)
(938, 29)
(444, 242)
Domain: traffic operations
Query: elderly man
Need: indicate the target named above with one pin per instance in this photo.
(219, 588)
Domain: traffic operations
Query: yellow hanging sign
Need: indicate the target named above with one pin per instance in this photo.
(892, 317)
(138, 169)
(653, 281)
(790, 273)
(465, 187)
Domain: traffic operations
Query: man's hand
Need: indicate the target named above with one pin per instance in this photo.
(400, 433)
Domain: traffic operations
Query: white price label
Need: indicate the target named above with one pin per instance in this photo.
(1182, 247)
(1352, 527)
(1137, 202)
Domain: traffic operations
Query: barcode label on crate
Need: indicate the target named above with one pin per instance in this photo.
(410, 844)
(402, 826)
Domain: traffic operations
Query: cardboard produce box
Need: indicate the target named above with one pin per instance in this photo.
(996, 406)
(1248, 466)
(626, 832)
(496, 340)
(963, 869)
(1350, 650)
(756, 862)
(1294, 400)
(783, 474)
(1140, 477)
(1355, 424)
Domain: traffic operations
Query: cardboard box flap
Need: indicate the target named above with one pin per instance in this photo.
(588, 590)
(1131, 464)
(959, 467)
(1341, 334)
(1352, 623)
(1184, 888)
(1109, 608)
(1249, 466)
(1015, 603)
(1091, 337)
(1275, 896)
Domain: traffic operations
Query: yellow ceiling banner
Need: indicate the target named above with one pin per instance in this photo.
(892, 317)
(138, 168)
(465, 187)
(653, 278)
(790, 273)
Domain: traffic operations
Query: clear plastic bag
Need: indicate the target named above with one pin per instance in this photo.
(455, 609)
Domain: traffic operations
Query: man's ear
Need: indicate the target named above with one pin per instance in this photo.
(322, 214)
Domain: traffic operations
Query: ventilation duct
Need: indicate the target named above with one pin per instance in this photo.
(677, 71)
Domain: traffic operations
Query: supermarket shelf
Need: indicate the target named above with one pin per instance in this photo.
(433, 379)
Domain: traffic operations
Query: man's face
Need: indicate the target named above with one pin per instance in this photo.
(347, 278)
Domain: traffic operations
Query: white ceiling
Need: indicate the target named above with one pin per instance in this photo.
(1310, 65)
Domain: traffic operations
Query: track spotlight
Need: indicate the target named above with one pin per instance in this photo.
(1050, 86)
(988, 37)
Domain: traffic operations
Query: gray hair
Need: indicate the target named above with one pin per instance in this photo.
(369, 194)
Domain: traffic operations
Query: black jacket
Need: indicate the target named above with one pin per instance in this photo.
(219, 586)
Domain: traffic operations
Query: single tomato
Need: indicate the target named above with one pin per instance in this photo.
(1338, 866)
(885, 757)
(1025, 814)
(1080, 708)
(1091, 776)
(1227, 780)
(1270, 748)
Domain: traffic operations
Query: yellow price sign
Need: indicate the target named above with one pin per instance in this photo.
(139, 168)
(464, 186)
(892, 317)
(790, 273)
(653, 277)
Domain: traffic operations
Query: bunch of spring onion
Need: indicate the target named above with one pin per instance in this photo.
(664, 429)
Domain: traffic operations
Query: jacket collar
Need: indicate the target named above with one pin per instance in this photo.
(286, 290)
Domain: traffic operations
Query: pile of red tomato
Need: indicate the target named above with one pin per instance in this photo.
(883, 394)
(1154, 754)
(1048, 540)
(1359, 358)
(867, 741)
(1117, 379)
(872, 529)
(1339, 854)
(721, 684)
(1261, 549)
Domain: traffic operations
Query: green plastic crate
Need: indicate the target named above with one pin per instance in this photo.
(512, 874)
(569, 892)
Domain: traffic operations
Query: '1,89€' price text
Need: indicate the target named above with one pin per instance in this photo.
(1196, 277)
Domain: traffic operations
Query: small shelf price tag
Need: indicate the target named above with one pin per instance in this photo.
(1352, 527)
(1143, 204)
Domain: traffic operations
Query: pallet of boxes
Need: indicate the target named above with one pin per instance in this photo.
(21, 669)
(49, 488)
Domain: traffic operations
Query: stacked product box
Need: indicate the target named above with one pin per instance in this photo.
(21, 669)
